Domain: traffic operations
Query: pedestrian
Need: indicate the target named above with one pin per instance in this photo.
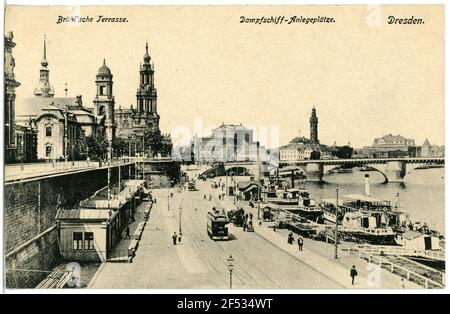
(127, 233)
(179, 238)
(204, 196)
(174, 238)
(353, 274)
(300, 243)
(290, 238)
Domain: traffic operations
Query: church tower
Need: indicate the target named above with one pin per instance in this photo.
(44, 89)
(313, 121)
(104, 99)
(147, 111)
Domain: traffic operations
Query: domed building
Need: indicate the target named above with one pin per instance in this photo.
(104, 101)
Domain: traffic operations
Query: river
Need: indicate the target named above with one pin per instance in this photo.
(422, 195)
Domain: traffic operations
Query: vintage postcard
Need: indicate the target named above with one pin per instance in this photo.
(224, 147)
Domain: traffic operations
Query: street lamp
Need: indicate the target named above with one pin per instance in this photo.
(232, 184)
(168, 195)
(179, 231)
(230, 261)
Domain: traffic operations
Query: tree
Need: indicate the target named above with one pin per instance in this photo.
(96, 148)
(343, 152)
(153, 141)
(315, 155)
(120, 147)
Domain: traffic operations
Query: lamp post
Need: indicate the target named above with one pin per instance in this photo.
(336, 226)
(179, 231)
(230, 261)
(232, 184)
(168, 195)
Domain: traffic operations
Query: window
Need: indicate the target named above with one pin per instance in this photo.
(88, 240)
(102, 90)
(48, 130)
(77, 240)
(48, 151)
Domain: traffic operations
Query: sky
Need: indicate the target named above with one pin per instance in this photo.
(366, 78)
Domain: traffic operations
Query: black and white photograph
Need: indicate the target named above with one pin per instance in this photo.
(218, 147)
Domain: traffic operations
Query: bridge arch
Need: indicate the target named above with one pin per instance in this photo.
(239, 171)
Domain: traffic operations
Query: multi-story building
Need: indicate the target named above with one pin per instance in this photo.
(389, 146)
(58, 134)
(428, 150)
(227, 142)
(9, 87)
(393, 142)
(301, 148)
(295, 151)
(20, 140)
(60, 122)
(134, 121)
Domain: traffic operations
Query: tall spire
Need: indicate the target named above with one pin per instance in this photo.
(146, 56)
(44, 88)
(44, 62)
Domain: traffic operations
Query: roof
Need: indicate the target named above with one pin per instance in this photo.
(84, 214)
(245, 184)
(426, 143)
(32, 106)
(230, 127)
(101, 203)
(411, 234)
(104, 70)
(333, 201)
(361, 197)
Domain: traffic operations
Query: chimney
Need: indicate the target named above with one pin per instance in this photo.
(366, 179)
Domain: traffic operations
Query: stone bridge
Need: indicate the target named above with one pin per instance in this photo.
(393, 169)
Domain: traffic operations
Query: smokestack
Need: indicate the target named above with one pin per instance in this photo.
(366, 178)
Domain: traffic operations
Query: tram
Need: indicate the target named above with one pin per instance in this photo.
(217, 221)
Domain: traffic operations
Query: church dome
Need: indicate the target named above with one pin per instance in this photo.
(104, 70)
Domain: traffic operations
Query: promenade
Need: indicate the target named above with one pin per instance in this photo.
(263, 259)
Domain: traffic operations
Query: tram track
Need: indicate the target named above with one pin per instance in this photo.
(201, 238)
(250, 265)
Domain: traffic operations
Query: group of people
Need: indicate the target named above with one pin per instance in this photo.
(175, 238)
(291, 240)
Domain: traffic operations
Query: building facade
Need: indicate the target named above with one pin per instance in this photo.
(227, 143)
(301, 148)
(133, 122)
(428, 150)
(9, 88)
(313, 127)
(58, 134)
(393, 142)
(389, 146)
(295, 151)
(104, 101)
(58, 124)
